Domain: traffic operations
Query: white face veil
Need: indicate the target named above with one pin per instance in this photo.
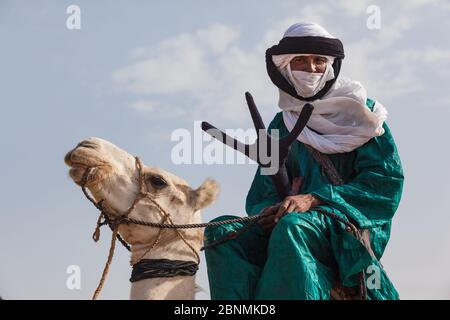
(341, 121)
(306, 84)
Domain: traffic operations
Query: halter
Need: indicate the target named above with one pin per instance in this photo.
(106, 217)
(153, 267)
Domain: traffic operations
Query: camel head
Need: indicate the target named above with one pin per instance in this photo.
(114, 178)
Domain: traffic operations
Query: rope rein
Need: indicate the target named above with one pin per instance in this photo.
(107, 265)
(105, 218)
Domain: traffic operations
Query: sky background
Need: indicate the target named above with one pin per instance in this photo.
(138, 70)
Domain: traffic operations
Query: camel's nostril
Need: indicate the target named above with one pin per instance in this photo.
(67, 159)
(87, 144)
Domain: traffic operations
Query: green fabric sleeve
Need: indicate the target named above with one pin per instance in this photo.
(372, 197)
(261, 195)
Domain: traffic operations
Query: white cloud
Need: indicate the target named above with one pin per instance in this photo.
(395, 73)
(218, 37)
(147, 106)
(354, 8)
(203, 74)
(206, 71)
(177, 65)
(442, 4)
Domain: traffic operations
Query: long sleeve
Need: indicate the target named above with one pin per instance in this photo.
(373, 195)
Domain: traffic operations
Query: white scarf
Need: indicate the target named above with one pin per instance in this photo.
(341, 116)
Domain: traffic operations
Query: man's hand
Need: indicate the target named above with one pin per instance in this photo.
(297, 203)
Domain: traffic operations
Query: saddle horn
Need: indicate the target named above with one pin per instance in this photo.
(252, 151)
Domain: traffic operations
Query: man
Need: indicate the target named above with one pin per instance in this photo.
(299, 253)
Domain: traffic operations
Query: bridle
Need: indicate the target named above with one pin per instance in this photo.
(114, 223)
(108, 218)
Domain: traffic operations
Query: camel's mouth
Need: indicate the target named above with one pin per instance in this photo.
(78, 172)
(85, 157)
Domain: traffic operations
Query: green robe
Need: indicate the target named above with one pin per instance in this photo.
(306, 253)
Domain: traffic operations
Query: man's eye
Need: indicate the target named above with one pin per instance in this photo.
(157, 182)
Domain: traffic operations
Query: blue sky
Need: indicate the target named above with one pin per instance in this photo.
(138, 70)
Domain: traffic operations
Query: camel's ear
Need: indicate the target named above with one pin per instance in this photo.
(206, 194)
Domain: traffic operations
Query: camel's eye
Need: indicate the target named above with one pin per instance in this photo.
(157, 181)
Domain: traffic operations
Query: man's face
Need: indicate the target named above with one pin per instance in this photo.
(310, 63)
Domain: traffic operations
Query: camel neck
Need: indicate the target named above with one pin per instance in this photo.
(176, 249)
(180, 287)
(175, 288)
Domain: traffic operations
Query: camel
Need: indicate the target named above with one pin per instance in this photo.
(114, 178)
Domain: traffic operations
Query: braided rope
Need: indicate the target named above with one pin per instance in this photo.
(107, 265)
(124, 219)
(192, 225)
(154, 244)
